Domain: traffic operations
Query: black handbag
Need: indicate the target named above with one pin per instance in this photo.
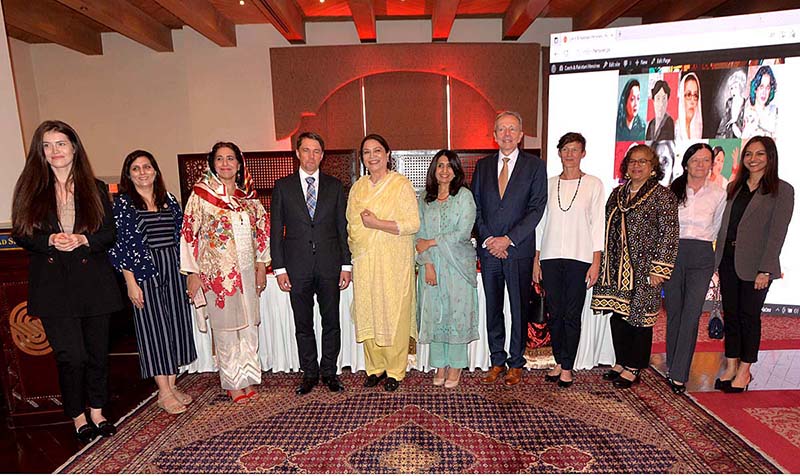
(536, 310)
(716, 328)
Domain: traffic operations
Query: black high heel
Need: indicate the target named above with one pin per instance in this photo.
(551, 378)
(720, 384)
(677, 388)
(623, 383)
(731, 389)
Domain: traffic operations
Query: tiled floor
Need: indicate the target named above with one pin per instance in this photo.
(775, 370)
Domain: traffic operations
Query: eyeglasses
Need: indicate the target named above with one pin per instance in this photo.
(502, 130)
(638, 162)
(689, 95)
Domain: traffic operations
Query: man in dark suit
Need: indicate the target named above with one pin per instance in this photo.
(310, 256)
(510, 189)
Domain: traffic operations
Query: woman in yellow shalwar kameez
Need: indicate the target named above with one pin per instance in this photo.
(382, 218)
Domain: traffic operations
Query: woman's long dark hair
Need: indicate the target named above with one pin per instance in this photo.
(769, 181)
(432, 186)
(126, 184)
(678, 186)
(35, 192)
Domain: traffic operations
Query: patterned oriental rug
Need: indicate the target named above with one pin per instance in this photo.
(532, 428)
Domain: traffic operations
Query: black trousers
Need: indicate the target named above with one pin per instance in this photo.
(80, 345)
(302, 298)
(565, 291)
(496, 274)
(632, 345)
(741, 310)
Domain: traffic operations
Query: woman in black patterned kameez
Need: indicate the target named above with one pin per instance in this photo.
(640, 250)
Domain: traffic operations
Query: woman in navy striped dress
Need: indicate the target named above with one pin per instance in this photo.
(148, 225)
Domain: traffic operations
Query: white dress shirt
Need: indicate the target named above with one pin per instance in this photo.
(303, 175)
(580, 231)
(701, 215)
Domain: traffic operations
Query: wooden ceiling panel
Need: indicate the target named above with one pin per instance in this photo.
(159, 13)
(125, 18)
(52, 21)
(204, 19)
(286, 17)
(21, 35)
(246, 14)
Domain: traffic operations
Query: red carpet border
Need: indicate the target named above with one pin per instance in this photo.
(777, 333)
(768, 418)
(532, 428)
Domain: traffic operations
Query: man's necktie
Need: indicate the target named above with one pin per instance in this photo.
(502, 180)
(311, 197)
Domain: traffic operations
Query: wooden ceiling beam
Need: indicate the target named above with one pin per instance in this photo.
(442, 17)
(122, 17)
(286, 17)
(54, 22)
(520, 15)
(364, 17)
(204, 19)
(600, 14)
(676, 11)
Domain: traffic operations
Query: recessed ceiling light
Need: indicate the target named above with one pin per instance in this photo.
(241, 2)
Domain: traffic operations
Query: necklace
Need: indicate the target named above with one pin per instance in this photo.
(558, 192)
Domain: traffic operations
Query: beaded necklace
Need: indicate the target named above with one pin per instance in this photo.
(558, 192)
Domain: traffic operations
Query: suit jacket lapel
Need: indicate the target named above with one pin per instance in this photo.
(754, 205)
(296, 194)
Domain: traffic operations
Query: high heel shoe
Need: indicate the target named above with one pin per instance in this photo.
(622, 382)
(677, 388)
(237, 399)
(731, 389)
(566, 383)
(551, 378)
(452, 382)
(439, 378)
(720, 384)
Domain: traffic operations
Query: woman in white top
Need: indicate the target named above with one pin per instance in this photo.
(700, 206)
(567, 260)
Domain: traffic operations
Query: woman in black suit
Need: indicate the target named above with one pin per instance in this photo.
(62, 215)
(754, 226)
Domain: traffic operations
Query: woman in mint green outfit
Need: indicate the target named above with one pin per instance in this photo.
(447, 293)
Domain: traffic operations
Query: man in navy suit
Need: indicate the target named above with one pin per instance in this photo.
(308, 242)
(510, 189)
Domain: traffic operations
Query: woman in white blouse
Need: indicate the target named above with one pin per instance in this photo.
(700, 206)
(567, 260)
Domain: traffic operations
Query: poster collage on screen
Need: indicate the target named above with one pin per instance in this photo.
(722, 104)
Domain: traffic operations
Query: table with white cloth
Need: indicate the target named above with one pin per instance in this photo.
(278, 347)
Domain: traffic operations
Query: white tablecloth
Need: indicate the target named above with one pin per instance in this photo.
(278, 347)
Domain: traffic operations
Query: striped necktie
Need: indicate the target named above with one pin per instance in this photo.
(311, 197)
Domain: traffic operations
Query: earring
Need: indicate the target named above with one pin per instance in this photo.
(652, 173)
(627, 176)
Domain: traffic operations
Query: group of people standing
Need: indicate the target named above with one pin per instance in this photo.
(411, 261)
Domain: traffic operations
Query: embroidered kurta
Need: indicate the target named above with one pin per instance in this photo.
(448, 312)
(383, 263)
(221, 240)
(641, 239)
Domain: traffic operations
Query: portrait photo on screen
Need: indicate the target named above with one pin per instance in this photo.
(630, 110)
(761, 107)
(726, 108)
(662, 106)
(690, 111)
(726, 160)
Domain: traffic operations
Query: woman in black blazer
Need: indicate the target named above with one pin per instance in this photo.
(62, 215)
(754, 225)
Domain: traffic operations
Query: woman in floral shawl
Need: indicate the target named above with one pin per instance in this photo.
(225, 251)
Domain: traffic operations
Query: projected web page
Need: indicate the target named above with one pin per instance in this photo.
(720, 81)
